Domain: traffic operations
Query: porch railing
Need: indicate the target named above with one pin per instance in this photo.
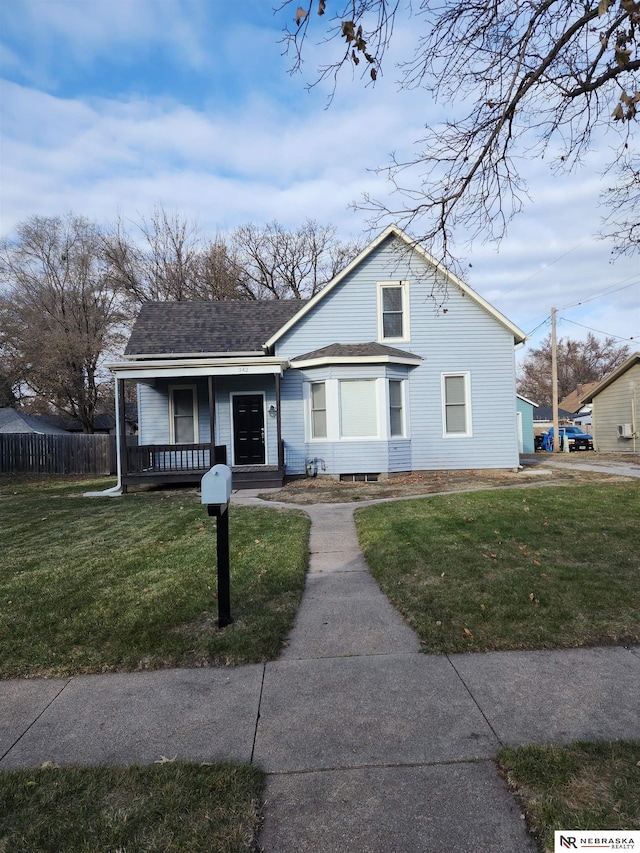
(172, 458)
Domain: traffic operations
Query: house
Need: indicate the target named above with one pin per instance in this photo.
(367, 379)
(13, 421)
(571, 403)
(543, 418)
(524, 423)
(104, 423)
(615, 412)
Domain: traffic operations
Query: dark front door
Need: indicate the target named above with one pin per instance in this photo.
(248, 429)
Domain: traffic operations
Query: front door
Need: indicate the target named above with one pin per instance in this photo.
(248, 429)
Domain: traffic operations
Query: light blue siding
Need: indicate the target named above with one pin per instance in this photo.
(526, 411)
(464, 339)
(461, 338)
(153, 404)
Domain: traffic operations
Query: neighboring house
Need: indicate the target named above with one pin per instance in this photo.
(616, 409)
(543, 418)
(366, 379)
(524, 424)
(14, 421)
(571, 403)
(103, 423)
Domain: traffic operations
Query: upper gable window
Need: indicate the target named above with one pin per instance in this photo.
(393, 311)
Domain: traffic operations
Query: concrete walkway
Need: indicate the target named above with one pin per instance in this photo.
(369, 745)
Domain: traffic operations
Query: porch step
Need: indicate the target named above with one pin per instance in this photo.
(269, 477)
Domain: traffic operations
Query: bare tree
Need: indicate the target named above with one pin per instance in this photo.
(155, 259)
(219, 273)
(166, 258)
(623, 200)
(279, 264)
(579, 362)
(525, 80)
(59, 316)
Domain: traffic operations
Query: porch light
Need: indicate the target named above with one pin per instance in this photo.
(273, 412)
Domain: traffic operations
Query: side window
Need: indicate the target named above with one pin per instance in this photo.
(183, 427)
(393, 311)
(318, 410)
(456, 404)
(396, 420)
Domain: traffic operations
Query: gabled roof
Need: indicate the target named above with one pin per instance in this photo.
(545, 413)
(393, 231)
(12, 421)
(179, 329)
(527, 400)
(353, 353)
(572, 401)
(620, 369)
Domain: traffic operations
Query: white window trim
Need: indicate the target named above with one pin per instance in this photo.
(403, 404)
(468, 433)
(196, 434)
(334, 413)
(309, 408)
(406, 319)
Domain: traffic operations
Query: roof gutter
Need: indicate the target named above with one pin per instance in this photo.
(172, 368)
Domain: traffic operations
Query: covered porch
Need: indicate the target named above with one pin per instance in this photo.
(218, 410)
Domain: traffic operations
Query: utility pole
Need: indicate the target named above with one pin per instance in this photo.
(554, 381)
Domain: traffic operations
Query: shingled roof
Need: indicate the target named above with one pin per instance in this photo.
(194, 328)
(366, 350)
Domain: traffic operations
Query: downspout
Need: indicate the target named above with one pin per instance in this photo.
(115, 491)
(279, 423)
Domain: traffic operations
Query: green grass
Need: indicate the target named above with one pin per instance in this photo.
(518, 569)
(172, 808)
(99, 584)
(590, 786)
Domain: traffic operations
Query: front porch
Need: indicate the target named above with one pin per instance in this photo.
(172, 464)
(233, 403)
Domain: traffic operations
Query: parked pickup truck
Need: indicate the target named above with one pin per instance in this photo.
(577, 439)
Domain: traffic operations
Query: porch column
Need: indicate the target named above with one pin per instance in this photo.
(212, 420)
(279, 423)
(122, 435)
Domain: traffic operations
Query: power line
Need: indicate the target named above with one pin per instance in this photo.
(607, 292)
(546, 320)
(550, 264)
(599, 331)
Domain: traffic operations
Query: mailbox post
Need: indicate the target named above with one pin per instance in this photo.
(215, 493)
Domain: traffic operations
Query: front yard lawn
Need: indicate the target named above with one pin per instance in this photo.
(173, 808)
(589, 786)
(516, 569)
(99, 584)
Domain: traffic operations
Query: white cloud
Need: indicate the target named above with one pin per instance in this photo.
(88, 30)
(254, 154)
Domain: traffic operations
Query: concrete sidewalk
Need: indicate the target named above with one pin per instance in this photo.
(368, 744)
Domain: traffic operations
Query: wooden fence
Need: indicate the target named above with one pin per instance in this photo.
(57, 454)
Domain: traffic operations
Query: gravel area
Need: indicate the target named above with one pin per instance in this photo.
(534, 468)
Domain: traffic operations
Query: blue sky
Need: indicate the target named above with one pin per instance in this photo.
(109, 107)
